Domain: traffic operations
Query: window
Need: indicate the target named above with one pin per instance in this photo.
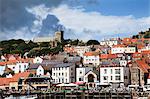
(111, 77)
(80, 72)
(54, 74)
(105, 77)
(59, 74)
(111, 71)
(71, 68)
(66, 80)
(105, 71)
(80, 79)
(125, 77)
(117, 77)
(117, 71)
(59, 68)
(62, 74)
(66, 74)
(56, 80)
(24, 66)
(62, 80)
(59, 80)
(71, 73)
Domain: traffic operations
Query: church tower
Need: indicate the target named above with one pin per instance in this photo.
(59, 36)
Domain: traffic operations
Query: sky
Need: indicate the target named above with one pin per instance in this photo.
(79, 19)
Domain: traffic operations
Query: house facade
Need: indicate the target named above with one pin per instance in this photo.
(81, 50)
(114, 75)
(109, 42)
(122, 49)
(63, 73)
(80, 73)
(91, 58)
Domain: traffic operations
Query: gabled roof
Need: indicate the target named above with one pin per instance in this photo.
(15, 78)
(20, 75)
(90, 72)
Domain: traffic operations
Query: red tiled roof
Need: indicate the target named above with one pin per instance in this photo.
(140, 46)
(15, 61)
(19, 75)
(91, 53)
(108, 56)
(119, 45)
(137, 55)
(15, 78)
(146, 52)
(143, 66)
(134, 40)
(5, 81)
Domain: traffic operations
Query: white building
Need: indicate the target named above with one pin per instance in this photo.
(42, 39)
(86, 74)
(148, 79)
(123, 63)
(63, 73)
(122, 49)
(37, 60)
(2, 69)
(109, 42)
(80, 73)
(19, 67)
(114, 75)
(40, 70)
(81, 50)
(91, 58)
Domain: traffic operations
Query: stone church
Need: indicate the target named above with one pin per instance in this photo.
(58, 37)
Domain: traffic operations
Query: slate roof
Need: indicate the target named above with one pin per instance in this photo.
(64, 65)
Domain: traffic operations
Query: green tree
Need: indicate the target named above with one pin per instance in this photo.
(147, 35)
(45, 44)
(92, 42)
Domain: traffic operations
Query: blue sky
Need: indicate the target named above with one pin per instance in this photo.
(83, 19)
(137, 8)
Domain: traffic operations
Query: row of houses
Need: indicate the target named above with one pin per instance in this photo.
(109, 73)
(113, 63)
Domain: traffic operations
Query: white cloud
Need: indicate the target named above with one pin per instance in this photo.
(40, 13)
(89, 25)
(21, 33)
(79, 20)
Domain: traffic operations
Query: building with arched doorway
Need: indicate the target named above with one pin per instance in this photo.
(91, 79)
